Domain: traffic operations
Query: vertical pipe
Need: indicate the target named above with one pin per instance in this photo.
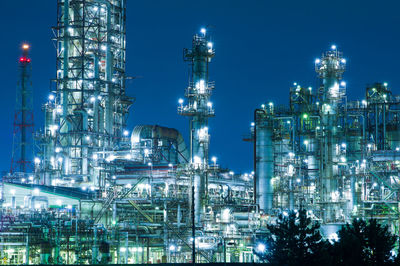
(264, 162)
(384, 126)
(27, 249)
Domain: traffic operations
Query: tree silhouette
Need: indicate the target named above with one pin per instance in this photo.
(362, 243)
(295, 240)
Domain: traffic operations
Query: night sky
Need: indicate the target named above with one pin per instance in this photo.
(262, 47)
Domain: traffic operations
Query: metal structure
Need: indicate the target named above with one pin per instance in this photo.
(199, 109)
(22, 153)
(86, 114)
(334, 157)
(101, 194)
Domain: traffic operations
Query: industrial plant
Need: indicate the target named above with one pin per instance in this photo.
(86, 189)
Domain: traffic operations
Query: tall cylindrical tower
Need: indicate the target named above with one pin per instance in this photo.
(330, 69)
(199, 109)
(90, 105)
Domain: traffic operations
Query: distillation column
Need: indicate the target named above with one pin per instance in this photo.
(330, 69)
(199, 109)
(89, 102)
(264, 157)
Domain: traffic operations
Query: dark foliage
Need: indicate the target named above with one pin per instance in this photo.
(362, 243)
(295, 240)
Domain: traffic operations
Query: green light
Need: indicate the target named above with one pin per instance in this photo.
(114, 222)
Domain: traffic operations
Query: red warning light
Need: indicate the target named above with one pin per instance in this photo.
(24, 59)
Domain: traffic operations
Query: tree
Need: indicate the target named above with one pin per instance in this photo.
(295, 240)
(362, 243)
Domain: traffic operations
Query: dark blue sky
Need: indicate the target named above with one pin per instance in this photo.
(261, 48)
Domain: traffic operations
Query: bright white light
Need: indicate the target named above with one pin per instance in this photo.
(51, 97)
(170, 165)
(261, 248)
(122, 249)
(95, 157)
(60, 159)
(214, 159)
(69, 207)
(95, 8)
(203, 30)
(126, 133)
(333, 47)
(150, 164)
(306, 142)
(92, 99)
(128, 157)
(128, 186)
(209, 104)
(59, 202)
(92, 188)
(180, 101)
(333, 237)
(197, 160)
(317, 61)
(84, 188)
(343, 60)
(231, 173)
(343, 83)
(12, 191)
(37, 160)
(343, 145)
(172, 248)
(36, 192)
(252, 124)
(343, 159)
(114, 177)
(31, 178)
(87, 138)
(37, 206)
(110, 158)
(285, 214)
(58, 149)
(103, 47)
(385, 84)
(298, 180)
(210, 45)
(291, 154)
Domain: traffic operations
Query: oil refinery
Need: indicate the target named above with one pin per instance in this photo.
(96, 192)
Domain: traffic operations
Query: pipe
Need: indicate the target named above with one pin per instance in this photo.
(264, 168)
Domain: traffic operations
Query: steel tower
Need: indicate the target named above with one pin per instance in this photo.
(199, 109)
(22, 152)
(85, 117)
(330, 69)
